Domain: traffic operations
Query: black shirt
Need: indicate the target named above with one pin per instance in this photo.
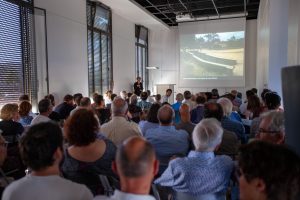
(138, 88)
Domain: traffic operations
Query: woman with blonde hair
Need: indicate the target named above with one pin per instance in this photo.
(9, 125)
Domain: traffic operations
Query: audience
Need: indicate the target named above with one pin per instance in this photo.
(10, 127)
(85, 103)
(243, 107)
(253, 107)
(24, 110)
(53, 115)
(188, 99)
(134, 111)
(42, 151)
(101, 111)
(166, 97)
(197, 112)
(201, 172)
(77, 98)
(268, 172)
(166, 140)
(150, 99)
(152, 120)
(229, 124)
(136, 166)
(66, 107)
(45, 108)
(88, 154)
(230, 143)
(143, 103)
(185, 122)
(158, 99)
(176, 106)
(119, 128)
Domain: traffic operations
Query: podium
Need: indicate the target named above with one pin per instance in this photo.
(161, 89)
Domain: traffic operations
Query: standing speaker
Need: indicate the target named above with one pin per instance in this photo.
(291, 99)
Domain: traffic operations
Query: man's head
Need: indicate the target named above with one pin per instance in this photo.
(85, 102)
(24, 97)
(51, 98)
(249, 93)
(123, 94)
(207, 135)
(271, 127)
(179, 97)
(135, 160)
(144, 96)
(45, 107)
(168, 92)
(41, 147)
(200, 99)
(99, 100)
(234, 92)
(157, 98)
(187, 94)
(119, 107)
(213, 110)
(77, 97)
(272, 100)
(69, 99)
(138, 79)
(268, 171)
(184, 111)
(165, 115)
(226, 105)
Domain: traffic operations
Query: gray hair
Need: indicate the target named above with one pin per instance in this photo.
(133, 99)
(276, 120)
(119, 106)
(226, 105)
(207, 134)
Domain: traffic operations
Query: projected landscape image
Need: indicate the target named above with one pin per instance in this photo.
(212, 55)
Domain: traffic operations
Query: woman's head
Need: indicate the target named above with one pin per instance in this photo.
(9, 112)
(81, 128)
(24, 108)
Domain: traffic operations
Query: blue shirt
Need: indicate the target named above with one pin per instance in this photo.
(234, 126)
(144, 104)
(197, 114)
(235, 116)
(167, 142)
(199, 173)
(176, 107)
(145, 125)
(26, 120)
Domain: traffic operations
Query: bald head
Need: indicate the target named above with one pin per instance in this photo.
(119, 106)
(165, 115)
(135, 157)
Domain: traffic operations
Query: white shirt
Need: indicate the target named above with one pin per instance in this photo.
(46, 188)
(39, 119)
(119, 129)
(118, 195)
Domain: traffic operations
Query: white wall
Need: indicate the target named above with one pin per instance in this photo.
(294, 33)
(67, 46)
(164, 53)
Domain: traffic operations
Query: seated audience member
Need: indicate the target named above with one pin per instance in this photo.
(215, 94)
(237, 102)
(166, 97)
(263, 99)
(134, 111)
(152, 120)
(42, 151)
(143, 104)
(271, 127)
(102, 112)
(230, 143)
(53, 115)
(45, 108)
(268, 172)
(229, 124)
(176, 106)
(10, 127)
(95, 94)
(197, 112)
(25, 97)
(24, 110)
(209, 97)
(66, 107)
(123, 95)
(243, 107)
(254, 90)
(77, 98)
(85, 103)
(272, 102)
(188, 99)
(185, 122)
(167, 141)
(119, 128)
(136, 166)
(158, 99)
(107, 98)
(201, 172)
(253, 108)
(88, 154)
(150, 99)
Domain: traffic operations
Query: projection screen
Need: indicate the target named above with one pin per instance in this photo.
(212, 53)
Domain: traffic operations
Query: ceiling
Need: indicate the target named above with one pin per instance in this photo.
(167, 10)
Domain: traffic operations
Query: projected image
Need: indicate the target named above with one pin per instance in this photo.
(212, 56)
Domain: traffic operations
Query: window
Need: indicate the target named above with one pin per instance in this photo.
(99, 47)
(17, 51)
(141, 54)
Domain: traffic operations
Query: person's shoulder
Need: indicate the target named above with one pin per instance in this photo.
(182, 132)
(225, 160)
(101, 197)
(80, 189)
(14, 188)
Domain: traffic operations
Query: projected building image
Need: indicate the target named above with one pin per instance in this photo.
(212, 55)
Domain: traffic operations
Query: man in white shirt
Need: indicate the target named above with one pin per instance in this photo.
(45, 108)
(166, 98)
(119, 128)
(42, 151)
(136, 166)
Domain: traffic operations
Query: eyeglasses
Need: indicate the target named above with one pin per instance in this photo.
(261, 130)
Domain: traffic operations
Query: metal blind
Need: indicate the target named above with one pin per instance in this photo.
(17, 51)
(99, 48)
